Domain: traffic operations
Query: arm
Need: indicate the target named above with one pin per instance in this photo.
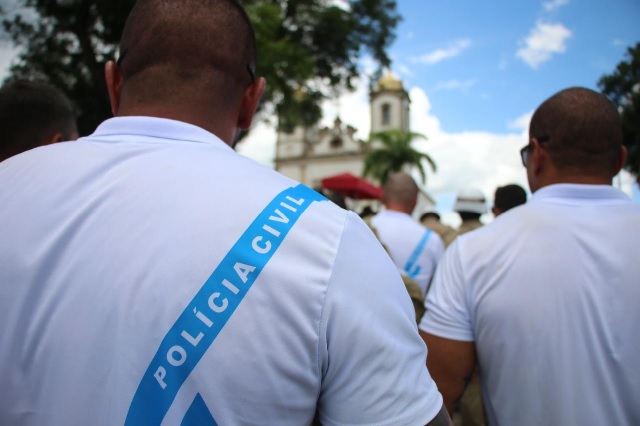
(446, 327)
(451, 364)
(372, 358)
(442, 419)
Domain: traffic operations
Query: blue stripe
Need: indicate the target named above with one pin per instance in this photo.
(208, 312)
(198, 414)
(411, 268)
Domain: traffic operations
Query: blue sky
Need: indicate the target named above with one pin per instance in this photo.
(484, 64)
(475, 72)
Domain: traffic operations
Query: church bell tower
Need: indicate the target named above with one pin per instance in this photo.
(389, 105)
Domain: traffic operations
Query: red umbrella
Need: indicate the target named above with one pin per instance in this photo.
(352, 186)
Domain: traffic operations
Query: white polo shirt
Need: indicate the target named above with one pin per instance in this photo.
(149, 274)
(414, 249)
(549, 293)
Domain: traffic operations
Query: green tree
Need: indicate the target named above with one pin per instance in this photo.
(308, 49)
(395, 153)
(623, 88)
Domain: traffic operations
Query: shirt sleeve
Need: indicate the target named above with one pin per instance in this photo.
(373, 359)
(447, 311)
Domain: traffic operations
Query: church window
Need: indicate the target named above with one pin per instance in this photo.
(386, 114)
(336, 142)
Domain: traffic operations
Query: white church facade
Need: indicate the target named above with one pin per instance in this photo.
(309, 155)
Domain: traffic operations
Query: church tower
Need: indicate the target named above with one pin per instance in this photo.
(389, 105)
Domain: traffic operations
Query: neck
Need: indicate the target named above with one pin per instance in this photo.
(398, 207)
(226, 134)
(573, 179)
(193, 104)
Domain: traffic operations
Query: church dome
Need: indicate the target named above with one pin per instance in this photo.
(389, 82)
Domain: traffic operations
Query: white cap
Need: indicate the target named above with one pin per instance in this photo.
(470, 200)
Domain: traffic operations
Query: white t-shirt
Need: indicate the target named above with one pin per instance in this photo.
(549, 292)
(414, 249)
(150, 273)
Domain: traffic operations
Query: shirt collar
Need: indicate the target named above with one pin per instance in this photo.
(395, 213)
(154, 127)
(568, 192)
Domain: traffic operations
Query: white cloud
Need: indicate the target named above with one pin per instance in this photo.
(461, 85)
(454, 49)
(625, 182)
(352, 108)
(7, 56)
(260, 143)
(469, 159)
(521, 123)
(554, 4)
(542, 42)
(404, 70)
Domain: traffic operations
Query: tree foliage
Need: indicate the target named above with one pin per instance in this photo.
(395, 153)
(623, 88)
(66, 44)
(308, 49)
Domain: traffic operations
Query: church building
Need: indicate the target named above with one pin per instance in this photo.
(310, 155)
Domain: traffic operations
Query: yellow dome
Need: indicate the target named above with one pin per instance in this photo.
(389, 82)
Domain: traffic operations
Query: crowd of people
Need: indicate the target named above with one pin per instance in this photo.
(149, 274)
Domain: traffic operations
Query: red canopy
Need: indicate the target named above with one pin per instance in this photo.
(352, 186)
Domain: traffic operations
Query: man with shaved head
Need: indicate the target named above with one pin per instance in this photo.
(507, 197)
(544, 298)
(33, 114)
(152, 275)
(414, 249)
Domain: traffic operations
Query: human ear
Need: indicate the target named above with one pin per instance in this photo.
(622, 159)
(250, 101)
(537, 157)
(55, 138)
(113, 78)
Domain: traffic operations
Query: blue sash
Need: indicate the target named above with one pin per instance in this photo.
(210, 309)
(411, 268)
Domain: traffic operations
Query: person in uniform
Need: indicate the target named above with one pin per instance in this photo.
(33, 114)
(544, 299)
(152, 275)
(414, 249)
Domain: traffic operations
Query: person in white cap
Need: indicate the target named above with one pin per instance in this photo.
(470, 205)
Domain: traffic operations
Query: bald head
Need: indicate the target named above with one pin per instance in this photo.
(584, 132)
(400, 193)
(33, 114)
(184, 59)
(189, 38)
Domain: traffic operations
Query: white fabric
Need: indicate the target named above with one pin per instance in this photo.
(470, 200)
(549, 292)
(402, 236)
(106, 240)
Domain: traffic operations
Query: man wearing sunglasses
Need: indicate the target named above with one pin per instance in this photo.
(151, 275)
(544, 299)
